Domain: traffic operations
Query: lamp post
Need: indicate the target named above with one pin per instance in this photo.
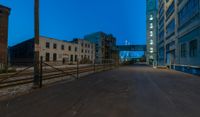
(36, 43)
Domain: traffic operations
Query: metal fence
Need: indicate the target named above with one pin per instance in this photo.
(48, 72)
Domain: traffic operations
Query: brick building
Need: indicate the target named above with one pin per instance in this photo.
(4, 14)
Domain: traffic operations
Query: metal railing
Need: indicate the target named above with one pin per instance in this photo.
(50, 72)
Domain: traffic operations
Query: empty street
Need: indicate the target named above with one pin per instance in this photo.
(129, 91)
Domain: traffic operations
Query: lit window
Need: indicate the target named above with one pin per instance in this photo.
(151, 25)
(151, 33)
(151, 42)
(151, 17)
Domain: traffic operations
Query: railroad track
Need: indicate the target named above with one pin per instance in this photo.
(48, 74)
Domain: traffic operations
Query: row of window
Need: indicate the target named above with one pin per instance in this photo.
(193, 49)
(71, 59)
(69, 48)
(170, 27)
(170, 10)
(62, 46)
(86, 45)
(188, 11)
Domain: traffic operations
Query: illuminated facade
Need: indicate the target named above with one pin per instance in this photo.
(151, 34)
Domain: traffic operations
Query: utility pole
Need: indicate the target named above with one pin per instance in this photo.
(36, 44)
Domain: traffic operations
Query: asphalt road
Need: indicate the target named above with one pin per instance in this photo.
(132, 91)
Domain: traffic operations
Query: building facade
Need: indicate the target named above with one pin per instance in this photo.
(54, 51)
(4, 16)
(105, 46)
(179, 33)
(151, 33)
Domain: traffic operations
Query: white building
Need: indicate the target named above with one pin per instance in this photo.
(54, 51)
(59, 51)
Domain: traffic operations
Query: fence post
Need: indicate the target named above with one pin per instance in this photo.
(77, 72)
(41, 71)
(104, 65)
(94, 66)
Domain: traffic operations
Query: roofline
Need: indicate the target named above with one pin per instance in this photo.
(5, 7)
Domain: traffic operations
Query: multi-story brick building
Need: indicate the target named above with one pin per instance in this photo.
(4, 14)
(179, 34)
(151, 33)
(105, 46)
(54, 51)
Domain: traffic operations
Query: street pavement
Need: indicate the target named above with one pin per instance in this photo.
(129, 91)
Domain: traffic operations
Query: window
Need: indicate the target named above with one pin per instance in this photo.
(151, 33)
(170, 28)
(47, 57)
(188, 11)
(62, 47)
(161, 35)
(151, 17)
(82, 50)
(76, 58)
(54, 57)
(183, 50)
(76, 49)
(54, 46)
(170, 10)
(151, 50)
(193, 48)
(47, 45)
(151, 25)
(69, 48)
(151, 42)
(71, 58)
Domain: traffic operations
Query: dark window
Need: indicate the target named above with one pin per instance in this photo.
(54, 57)
(82, 51)
(47, 45)
(62, 47)
(47, 57)
(55, 46)
(193, 48)
(170, 10)
(170, 28)
(76, 58)
(69, 48)
(183, 50)
(71, 58)
(76, 49)
(188, 11)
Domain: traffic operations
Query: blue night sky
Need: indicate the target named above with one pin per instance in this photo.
(68, 19)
